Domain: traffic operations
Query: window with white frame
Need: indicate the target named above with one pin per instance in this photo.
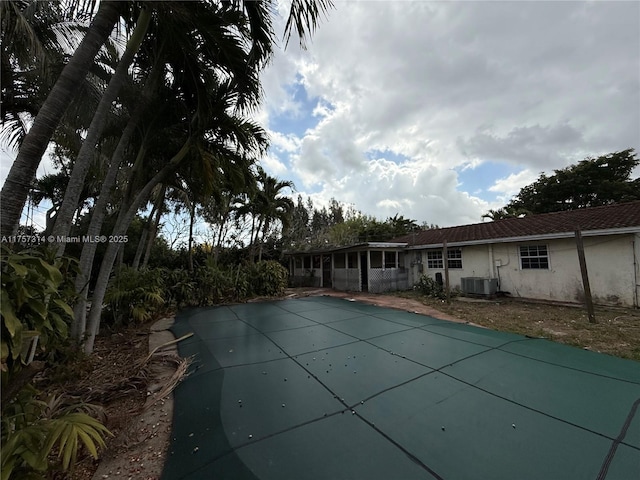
(534, 257)
(454, 258)
(434, 259)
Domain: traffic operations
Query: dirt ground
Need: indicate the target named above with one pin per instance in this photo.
(136, 394)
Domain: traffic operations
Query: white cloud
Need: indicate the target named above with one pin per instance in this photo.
(509, 186)
(454, 85)
(284, 142)
(273, 166)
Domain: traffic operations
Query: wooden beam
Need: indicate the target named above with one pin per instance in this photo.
(445, 262)
(585, 277)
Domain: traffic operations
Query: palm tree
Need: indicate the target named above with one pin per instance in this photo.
(16, 186)
(253, 21)
(266, 205)
(506, 212)
(95, 130)
(224, 143)
(30, 57)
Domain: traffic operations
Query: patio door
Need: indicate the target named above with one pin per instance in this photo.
(364, 272)
(326, 271)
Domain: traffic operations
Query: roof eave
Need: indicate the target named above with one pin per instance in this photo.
(532, 238)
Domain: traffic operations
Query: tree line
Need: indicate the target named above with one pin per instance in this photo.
(145, 105)
(150, 101)
(592, 182)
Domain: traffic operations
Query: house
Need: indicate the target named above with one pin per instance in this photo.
(530, 257)
(372, 267)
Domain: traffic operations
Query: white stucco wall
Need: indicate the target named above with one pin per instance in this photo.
(475, 263)
(612, 264)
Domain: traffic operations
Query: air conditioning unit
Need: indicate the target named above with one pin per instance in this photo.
(479, 285)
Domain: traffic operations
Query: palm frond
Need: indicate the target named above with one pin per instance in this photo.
(304, 17)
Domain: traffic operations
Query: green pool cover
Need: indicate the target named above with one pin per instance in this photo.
(325, 388)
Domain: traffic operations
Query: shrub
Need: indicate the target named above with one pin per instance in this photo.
(135, 295)
(429, 287)
(36, 293)
(34, 302)
(270, 278)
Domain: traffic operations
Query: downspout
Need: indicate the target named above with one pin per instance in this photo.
(491, 264)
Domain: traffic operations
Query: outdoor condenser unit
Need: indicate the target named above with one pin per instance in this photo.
(479, 285)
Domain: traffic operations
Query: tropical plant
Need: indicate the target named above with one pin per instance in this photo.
(16, 186)
(266, 205)
(33, 430)
(35, 296)
(269, 278)
(135, 295)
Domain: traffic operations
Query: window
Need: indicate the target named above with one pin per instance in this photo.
(434, 259)
(534, 257)
(297, 262)
(389, 259)
(401, 260)
(454, 258)
(338, 260)
(316, 261)
(352, 260)
(376, 258)
(307, 262)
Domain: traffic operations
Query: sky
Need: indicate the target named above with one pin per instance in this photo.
(439, 111)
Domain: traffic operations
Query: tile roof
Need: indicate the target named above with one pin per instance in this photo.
(615, 216)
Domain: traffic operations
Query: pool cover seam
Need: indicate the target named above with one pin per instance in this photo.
(489, 348)
(499, 347)
(536, 410)
(570, 368)
(423, 327)
(607, 460)
(602, 475)
(411, 456)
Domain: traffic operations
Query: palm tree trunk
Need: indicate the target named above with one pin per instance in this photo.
(122, 224)
(154, 228)
(85, 266)
(142, 243)
(85, 156)
(254, 243)
(221, 234)
(264, 232)
(192, 216)
(16, 186)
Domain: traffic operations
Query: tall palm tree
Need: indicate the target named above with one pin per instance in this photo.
(224, 143)
(16, 186)
(95, 130)
(266, 205)
(31, 57)
(255, 19)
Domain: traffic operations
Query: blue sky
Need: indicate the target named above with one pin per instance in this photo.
(441, 110)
